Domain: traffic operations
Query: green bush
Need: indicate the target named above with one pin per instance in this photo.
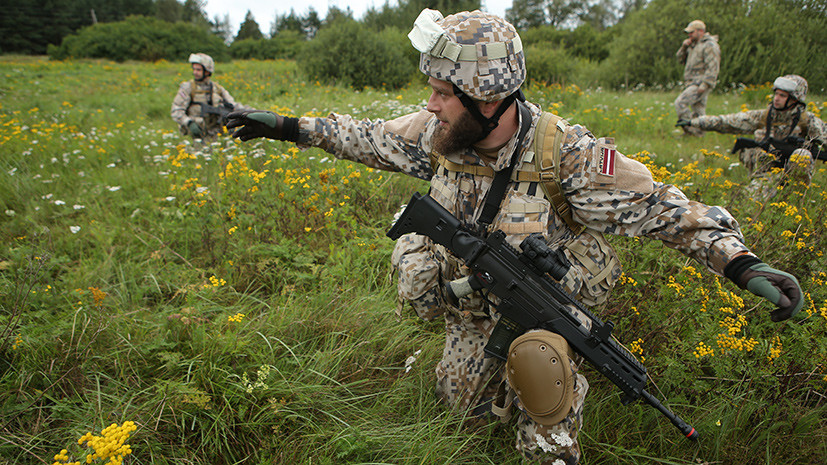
(556, 65)
(759, 41)
(287, 44)
(769, 40)
(350, 54)
(584, 41)
(140, 38)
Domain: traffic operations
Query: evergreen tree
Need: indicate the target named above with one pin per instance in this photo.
(311, 23)
(30, 26)
(249, 28)
(287, 22)
(192, 11)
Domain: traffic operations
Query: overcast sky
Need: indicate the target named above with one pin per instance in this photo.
(265, 11)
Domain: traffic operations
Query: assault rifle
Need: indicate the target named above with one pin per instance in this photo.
(783, 148)
(222, 111)
(529, 298)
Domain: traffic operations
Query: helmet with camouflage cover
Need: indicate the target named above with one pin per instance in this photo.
(481, 54)
(794, 85)
(204, 60)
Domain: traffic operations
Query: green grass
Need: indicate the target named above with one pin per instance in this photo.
(129, 254)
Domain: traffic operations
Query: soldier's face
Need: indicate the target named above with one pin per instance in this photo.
(197, 72)
(457, 129)
(696, 35)
(780, 99)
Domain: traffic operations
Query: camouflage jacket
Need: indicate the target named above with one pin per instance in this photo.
(703, 61)
(608, 192)
(185, 108)
(809, 126)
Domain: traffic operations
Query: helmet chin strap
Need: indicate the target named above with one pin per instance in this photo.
(790, 103)
(488, 124)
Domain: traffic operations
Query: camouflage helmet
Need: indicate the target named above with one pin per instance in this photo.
(204, 60)
(794, 85)
(481, 54)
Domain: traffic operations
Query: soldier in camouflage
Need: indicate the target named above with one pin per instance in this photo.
(785, 117)
(702, 57)
(470, 130)
(187, 104)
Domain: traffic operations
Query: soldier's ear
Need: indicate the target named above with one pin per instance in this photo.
(488, 108)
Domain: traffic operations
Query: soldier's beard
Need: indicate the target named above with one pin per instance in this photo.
(461, 134)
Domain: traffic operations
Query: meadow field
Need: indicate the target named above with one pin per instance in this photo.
(164, 302)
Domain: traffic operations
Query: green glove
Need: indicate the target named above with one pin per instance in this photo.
(256, 123)
(683, 123)
(780, 288)
(195, 130)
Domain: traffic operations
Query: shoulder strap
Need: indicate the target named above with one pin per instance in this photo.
(548, 139)
(495, 194)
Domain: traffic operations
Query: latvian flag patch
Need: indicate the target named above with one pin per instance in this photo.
(607, 161)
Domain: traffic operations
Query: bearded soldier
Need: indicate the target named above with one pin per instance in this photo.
(476, 125)
(785, 122)
(702, 57)
(201, 105)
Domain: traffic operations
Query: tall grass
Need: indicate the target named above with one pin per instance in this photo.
(235, 300)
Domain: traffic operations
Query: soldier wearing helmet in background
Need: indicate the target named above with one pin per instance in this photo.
(476, 127)
(785, 122)
(201, 105)
(702, 57)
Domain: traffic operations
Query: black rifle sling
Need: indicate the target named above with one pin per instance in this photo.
(495, 194)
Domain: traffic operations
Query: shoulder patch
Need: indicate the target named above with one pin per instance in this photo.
(613, 170)
(606, 164)
(606, 160)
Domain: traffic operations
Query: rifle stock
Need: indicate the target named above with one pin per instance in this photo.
(529, 299)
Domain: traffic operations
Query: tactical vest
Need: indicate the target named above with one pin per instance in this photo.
(540, 166)
(210, 94)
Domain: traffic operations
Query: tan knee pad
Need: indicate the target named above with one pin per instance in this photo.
(539, 373)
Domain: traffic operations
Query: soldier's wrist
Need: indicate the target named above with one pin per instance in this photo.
(735, 269)
(290, 129)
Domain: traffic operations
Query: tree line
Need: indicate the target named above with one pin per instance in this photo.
(588, 42)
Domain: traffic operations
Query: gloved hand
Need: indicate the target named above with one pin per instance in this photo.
(195, 130)
(683, 122)
(780, 288)
(257, 123)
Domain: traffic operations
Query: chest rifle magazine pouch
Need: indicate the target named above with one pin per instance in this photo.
(413, 258)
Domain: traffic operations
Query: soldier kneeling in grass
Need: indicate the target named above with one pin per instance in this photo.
(788, 138)
(554, 179)
(201, 106)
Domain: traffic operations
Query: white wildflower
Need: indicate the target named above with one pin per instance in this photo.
(60, 202)
(78, 207)
(74, 229)
(410, 360)
(113, 188)
(10, 213)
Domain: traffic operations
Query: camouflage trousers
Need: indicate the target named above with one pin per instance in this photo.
(766, 178)
(468, 380)
(691, 104)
